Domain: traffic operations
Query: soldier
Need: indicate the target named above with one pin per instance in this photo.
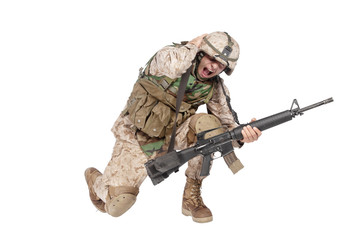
(143, 129)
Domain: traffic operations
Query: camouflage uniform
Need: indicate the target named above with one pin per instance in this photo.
(143, 129)
(126, 167)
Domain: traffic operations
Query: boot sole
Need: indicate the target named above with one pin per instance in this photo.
(198, 220)
(96, 201)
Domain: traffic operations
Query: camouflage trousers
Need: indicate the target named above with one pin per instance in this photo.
(126, 167)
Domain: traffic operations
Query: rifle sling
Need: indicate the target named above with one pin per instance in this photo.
(179, 98)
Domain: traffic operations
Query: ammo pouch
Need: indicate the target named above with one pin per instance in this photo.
(152, 110)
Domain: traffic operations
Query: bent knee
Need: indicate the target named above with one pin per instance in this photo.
(203, 122)
(120, 199)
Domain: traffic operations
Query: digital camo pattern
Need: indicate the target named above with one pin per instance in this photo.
(219, 40)
(195, 90)
(126, 167)
(180, 59)
(173, 61)
(219, 107)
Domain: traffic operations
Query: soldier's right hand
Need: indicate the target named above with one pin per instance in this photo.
(197, 41)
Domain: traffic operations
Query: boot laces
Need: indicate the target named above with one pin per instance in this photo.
(196, 194)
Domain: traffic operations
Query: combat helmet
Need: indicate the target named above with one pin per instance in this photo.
(223, 48)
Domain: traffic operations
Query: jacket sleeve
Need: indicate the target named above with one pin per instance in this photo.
(173, 61)
(219, 107)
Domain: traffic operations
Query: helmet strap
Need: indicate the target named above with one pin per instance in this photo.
(198, 58)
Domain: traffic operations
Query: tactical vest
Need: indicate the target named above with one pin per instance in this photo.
(152, 104)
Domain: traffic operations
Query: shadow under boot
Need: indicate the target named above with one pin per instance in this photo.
(91, 174)
(193, 204)
(120, 199)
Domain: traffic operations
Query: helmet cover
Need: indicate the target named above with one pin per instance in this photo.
(222, 47)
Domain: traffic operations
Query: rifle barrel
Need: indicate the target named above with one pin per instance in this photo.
(329, 100)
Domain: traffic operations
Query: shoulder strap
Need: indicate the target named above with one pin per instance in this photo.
(179, 98)
(235, 116)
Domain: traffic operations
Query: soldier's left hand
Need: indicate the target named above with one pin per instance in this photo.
(250, 134)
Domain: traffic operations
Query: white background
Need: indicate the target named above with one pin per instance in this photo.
(67, 69)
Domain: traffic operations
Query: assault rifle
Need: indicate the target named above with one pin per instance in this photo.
(160, 168)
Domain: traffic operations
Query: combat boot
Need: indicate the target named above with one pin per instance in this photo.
(120, 199)
(91, 174)
(193, 204)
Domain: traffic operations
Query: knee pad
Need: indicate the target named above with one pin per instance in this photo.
(120, 199)
(202, 122)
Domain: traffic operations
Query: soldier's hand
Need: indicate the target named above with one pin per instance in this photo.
(197, 41)
(250, 134)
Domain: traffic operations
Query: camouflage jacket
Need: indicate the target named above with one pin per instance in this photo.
(151, 106)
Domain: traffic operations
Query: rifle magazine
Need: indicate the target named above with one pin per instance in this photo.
(233, 162)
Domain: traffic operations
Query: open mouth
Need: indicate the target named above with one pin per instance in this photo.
(206, 73)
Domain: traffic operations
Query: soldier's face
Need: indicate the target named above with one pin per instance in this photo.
(209, 67)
